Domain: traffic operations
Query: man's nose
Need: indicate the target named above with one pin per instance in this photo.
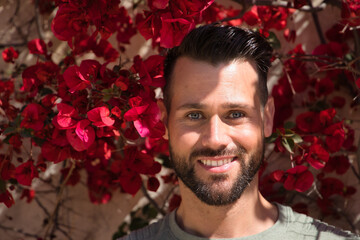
(215, 135)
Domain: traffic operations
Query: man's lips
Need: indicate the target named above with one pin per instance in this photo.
(217, 164)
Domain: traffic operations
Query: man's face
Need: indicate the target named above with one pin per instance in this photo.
(216, 128)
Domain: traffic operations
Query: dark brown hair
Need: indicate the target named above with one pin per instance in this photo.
(217, 44)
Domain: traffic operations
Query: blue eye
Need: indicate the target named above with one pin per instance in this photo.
(236, 115)
(194, 116)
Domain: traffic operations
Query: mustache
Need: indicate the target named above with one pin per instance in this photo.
(208, 152)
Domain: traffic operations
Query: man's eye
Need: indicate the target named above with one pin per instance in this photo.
(194, 116)
(236, 115)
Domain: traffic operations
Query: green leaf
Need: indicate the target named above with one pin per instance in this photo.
(9, 130)
(272, 137)
(348, 57)
(108, 93)
(137, 223)
(121, 231)
(274, 41)
(297, 138)
(288, 143)
(45, 91)
(16, 121)
(26, 132)
(289, 133)
(289, 125)
(2, 186)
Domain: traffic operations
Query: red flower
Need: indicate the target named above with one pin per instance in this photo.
(37, 46)
(130, 181)
(324, 87)
(69, 21)
(158, 4)
(6, 198)
(331, 186)
(7, 170)
(251, 17)
(316, 156)
(298, 178)
(146, 117)
(66, 117)
(326, 116)
(338, 163)
(79, 78)
(174, 202)
(15, 141)
(29, 194)
(81, 137)
(335, 136)
(34, 77)
(26, 172)
(10, 54)
(290, 35)
(338, 101)
(173, 30)
(126, 28)
(100, 117)
(150, 71)
(308, 122)
(329, 52)
(74, 178)
(33, 117)
(116, 111)
(106, 50)
(55, 153)
(216, 12)
(153, 184)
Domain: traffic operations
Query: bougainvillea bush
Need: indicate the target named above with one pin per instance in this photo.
(98, 116)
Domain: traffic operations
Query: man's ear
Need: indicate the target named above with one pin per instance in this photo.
(164, 117)
(269, 111)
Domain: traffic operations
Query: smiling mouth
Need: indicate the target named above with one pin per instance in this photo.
(216, 163)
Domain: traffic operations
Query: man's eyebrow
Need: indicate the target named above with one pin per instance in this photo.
(228, 105)
(191, 106)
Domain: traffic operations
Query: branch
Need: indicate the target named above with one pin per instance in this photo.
(284, 4)
(5, 45)
(37, 19)
(317, 23)
(62, 187)
(143, 189)
(42, 206)
(13, 229)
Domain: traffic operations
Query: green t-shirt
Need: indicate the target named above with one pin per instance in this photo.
(290, 225)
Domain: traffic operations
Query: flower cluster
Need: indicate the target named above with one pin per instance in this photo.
(101, 118)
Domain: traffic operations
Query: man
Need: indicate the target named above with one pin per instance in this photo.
(217, 112)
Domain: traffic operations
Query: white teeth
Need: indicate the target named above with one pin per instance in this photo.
(213, 163)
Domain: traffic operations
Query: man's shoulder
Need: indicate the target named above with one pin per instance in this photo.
(298, 224)
(157, 230)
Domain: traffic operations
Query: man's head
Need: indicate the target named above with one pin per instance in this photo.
(217, 116)
(216, 44)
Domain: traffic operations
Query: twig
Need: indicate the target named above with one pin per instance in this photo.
(288, 78)
(13, 229)
(42, 206)
(37, 20)
(5, 45)
(317, 23)
(284, 4)
(62, 187)
(143, 189)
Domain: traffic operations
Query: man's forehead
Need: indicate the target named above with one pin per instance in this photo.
(195, 80)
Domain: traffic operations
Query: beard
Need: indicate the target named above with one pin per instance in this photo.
(212, 192)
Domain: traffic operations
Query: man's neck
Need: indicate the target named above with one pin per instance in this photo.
(249, 215)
